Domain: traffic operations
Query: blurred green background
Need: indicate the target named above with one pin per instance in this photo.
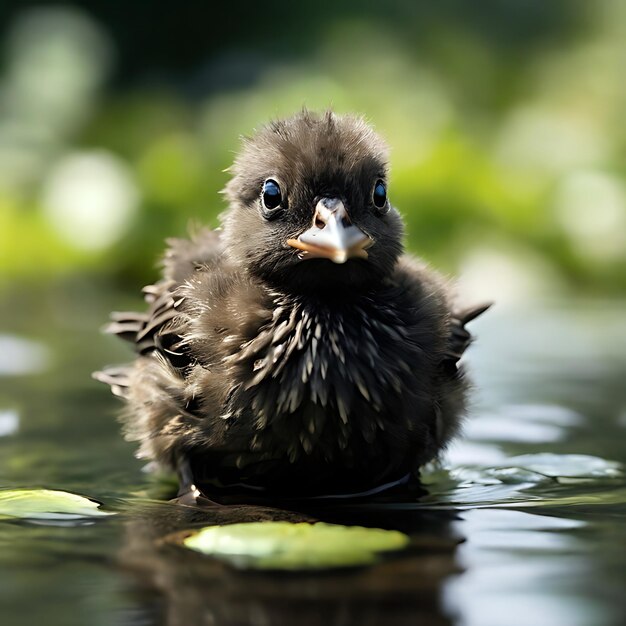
(505, 120)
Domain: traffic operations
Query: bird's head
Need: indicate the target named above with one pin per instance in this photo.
(308, 205)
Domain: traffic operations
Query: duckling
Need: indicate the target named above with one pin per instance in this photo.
(296, 351)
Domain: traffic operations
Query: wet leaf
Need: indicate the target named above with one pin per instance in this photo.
(46, 504)
(301, 546)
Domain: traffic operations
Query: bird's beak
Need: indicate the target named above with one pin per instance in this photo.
(332, 235)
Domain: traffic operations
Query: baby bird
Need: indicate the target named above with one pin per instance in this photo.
(296, 352)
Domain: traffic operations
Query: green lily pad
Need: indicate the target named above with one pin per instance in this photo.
(47, 504)
(301, 546)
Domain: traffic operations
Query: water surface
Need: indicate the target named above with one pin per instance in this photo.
(523, 522)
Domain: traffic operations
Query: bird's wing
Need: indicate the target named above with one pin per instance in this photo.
(460, 338)
(155, 329)
(184, 256)
(429, 293)
(158, 329)
(152, 331)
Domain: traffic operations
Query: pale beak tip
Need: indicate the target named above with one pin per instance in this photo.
(341, 256)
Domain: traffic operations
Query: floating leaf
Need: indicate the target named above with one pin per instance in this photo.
(46, 504)
(301, 546)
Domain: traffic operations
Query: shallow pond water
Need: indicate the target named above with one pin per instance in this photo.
(523, 523)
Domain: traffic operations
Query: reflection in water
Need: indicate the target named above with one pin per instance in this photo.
(9, 422)
(520, 568)
(523, 423)
(199, 590)
(20, 356)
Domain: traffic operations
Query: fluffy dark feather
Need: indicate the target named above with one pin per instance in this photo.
(260, 368)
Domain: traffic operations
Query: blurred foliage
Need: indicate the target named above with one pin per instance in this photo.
(504, 120)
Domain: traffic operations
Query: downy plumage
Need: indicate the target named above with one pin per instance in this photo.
(295, 351)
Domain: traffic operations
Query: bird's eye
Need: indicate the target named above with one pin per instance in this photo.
(380, 195)
(272, 196)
